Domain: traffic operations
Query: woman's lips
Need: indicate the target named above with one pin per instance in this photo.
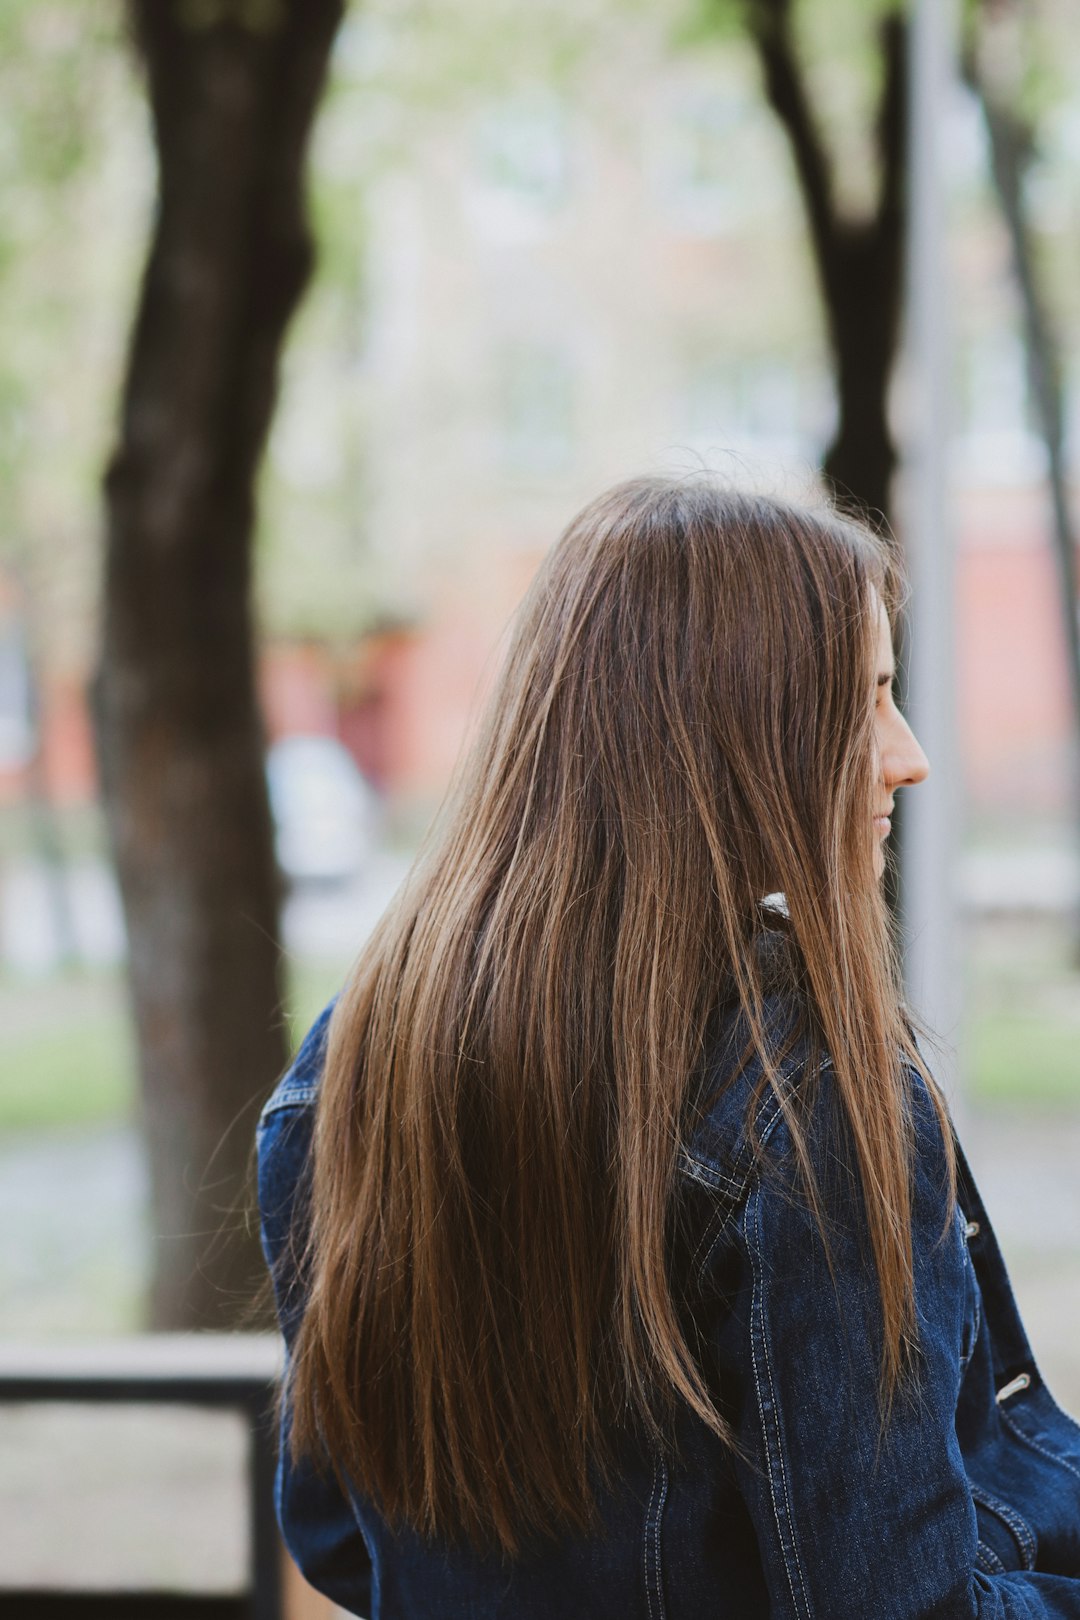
(883, 825)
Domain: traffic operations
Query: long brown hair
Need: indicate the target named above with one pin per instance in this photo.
(684, 723)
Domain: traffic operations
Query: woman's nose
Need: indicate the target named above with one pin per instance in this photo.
(903, 762)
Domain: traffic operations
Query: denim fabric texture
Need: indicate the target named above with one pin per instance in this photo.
(968, 1504)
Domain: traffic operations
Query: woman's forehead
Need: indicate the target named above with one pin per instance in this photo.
(884, 636)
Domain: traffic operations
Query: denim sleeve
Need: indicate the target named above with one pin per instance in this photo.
(854, 1519)
(317, 1521)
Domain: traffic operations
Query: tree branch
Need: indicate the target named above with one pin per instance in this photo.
(892, 122)
(770, 27)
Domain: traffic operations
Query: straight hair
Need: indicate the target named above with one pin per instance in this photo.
(684, 724)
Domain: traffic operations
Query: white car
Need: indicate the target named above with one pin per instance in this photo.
(324, 809)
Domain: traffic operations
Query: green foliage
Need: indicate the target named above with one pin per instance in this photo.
(1025, 63)
(63, 87)
(48, 84)
(834, 25)
(1024, 1018)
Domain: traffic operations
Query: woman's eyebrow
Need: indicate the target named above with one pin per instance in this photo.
(886, 676)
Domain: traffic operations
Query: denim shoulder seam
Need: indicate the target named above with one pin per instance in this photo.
(709, 1175)
(298, 1096)
(728, 1193)
(702, 1165)
(771, 1115)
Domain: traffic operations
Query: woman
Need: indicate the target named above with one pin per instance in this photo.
(624, 1255)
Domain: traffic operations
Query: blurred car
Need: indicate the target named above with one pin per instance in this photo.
(324, 810)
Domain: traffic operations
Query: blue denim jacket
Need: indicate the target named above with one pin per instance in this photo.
(968, 1504)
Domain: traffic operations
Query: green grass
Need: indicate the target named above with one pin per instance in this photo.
(77, 1073)
(1025, 1058)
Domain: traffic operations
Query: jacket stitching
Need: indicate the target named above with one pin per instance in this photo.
(1051, 1456)
(766, 1133)
(711, 1232)
(294, 1097)
(648, 1521)
(707, 1175)
(716, 1180)
(656, 1538)
(991, 1563)
(716, 1224)
(657, 1493)
(723, 1212)
(978, 1309)
(977, 1296)
(1008, 1516)
(715, 1229)
(774, 1456)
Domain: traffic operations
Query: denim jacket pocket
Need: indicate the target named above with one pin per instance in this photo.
(1006, 1541)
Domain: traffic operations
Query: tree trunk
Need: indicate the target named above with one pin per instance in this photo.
(861, 460)
(178, 725)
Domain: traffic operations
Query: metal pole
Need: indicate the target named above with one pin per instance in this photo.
(930, 834)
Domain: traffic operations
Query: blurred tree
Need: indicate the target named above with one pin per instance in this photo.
(233, 87)
(858, 250)
(1000, 65)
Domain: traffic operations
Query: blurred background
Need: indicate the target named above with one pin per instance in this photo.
(547, 247)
